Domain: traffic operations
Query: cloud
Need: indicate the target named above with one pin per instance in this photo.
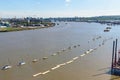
(67, 2)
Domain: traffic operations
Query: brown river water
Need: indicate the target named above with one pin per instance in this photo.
(60, 52)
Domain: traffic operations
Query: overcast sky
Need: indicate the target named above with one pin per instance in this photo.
(58, 8)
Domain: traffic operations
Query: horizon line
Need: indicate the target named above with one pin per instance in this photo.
(58, 16)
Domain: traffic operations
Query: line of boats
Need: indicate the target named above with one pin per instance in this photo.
(6, 67)
(89, 51)
(65, 63)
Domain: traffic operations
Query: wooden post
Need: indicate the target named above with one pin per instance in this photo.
(116, 53)
(113, 53)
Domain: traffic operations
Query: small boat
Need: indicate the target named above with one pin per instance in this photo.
(74, 46)
(6, 67)
(21, 63)
(102, 43)
(90, 50)
(69, 47)
(87, 52)
(93, 39)
(63, 50)
(34, 60)
(58, 52)
(100, 36)
(45, 58)
(106, 30)
(54, 54)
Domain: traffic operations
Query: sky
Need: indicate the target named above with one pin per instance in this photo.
(58, 8)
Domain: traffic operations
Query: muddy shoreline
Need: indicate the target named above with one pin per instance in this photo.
(11, 29)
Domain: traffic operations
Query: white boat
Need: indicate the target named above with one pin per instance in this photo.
(35, 60)
(86, 52)
(45, 58)
(90, 50)
(21, 63)
(6, 67)
(54, 54)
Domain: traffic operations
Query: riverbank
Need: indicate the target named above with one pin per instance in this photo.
(10, 29)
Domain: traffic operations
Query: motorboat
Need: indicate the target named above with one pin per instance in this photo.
(21, 63)
(6, 67)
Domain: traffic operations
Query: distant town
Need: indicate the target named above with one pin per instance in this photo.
(18, 24)
(28, 23)
(109, 20)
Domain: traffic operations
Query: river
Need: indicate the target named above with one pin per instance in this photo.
(59, 52)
